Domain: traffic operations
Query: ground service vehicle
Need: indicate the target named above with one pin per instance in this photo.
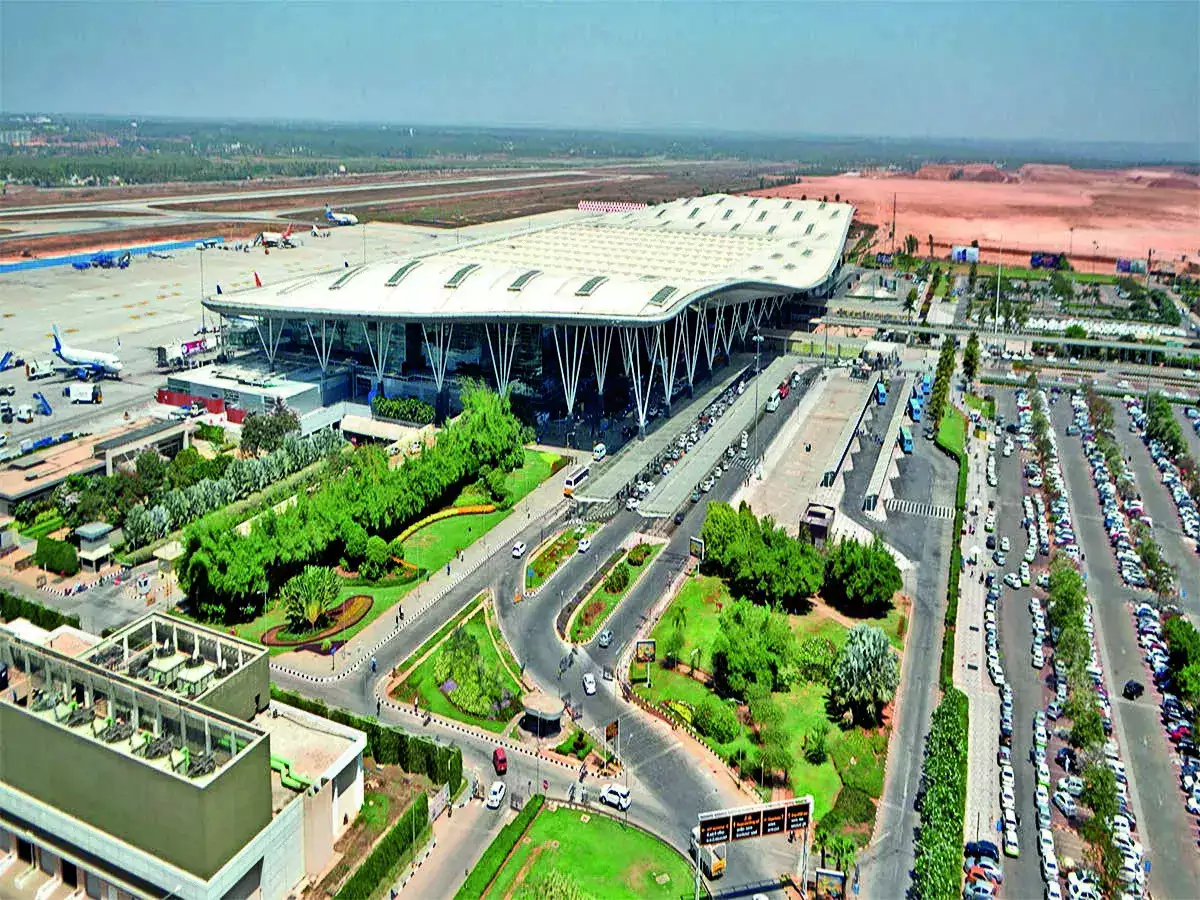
(83, 393)
(712, 856)
(39, 368)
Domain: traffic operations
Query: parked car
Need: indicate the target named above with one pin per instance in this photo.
(1133, 689)
(616, 796)
(495, 795)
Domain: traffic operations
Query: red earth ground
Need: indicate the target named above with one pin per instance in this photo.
(1094, 215)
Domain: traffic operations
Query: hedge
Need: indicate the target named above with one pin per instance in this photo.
(946, 674)
(493, 858)
(386, 744)
(404, 409)
(14, 607)
(56, 556)
(376, 867)
(477, 509)
(937, 868)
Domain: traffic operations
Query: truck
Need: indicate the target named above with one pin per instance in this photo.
(24, 413)
(39, 368)
(83, 393)
(712, 856)
(180, 353)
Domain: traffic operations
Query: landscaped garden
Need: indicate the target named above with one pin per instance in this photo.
(464, 677)
(596, 608)
(553, 554)
(783, 657)
(569, 853)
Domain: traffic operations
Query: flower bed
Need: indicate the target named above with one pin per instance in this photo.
(348, 613)
(475, 510)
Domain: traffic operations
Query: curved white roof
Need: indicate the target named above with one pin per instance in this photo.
(629, 267)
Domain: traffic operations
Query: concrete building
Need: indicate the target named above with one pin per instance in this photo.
(153, 764)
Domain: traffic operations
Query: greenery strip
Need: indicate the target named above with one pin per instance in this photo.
(496, 854)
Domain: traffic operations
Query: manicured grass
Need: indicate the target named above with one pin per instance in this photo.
(952, 433)
(468, 611)
(579, 745)
(987, 408)
(582, 632)
(46, 526)
(374, 811)
(700, 597)
(603, 857)
(422, 682)
(555, 554)
(817, 625)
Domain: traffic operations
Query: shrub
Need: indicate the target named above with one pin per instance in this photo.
(375, 565)
(937, 870)
(618, 579)
(406, 409)
(14, 607)
(853, 807)
(715, 720)
(57, 556)
(375, 868)
(214, 434)
(493, 858)
(639, 554)
(815, 750)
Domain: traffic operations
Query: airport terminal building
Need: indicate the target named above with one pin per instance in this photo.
(653, 297)
(152, 764)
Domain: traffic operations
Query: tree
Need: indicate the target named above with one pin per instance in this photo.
(308, 597)
(816, 658)
(910, 301)
(866, 675)
(375, 564)
(1100, 791)
(151, 470)
(755, 645)
(714, 719)
(264, 432)
(1087, 728)
(930, 246)
(774, 754)
(911, 244)
(861, 579)
(970, 360)
(673, 647)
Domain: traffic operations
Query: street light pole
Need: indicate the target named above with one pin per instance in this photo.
(758, 339)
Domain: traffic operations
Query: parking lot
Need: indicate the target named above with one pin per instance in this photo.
(1167, 832)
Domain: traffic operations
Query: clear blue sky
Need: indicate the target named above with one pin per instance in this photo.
(1059, 71)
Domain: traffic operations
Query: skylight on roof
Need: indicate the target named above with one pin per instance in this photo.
(399, 274)
(663, 294)
(589, 287)
(660, 213)
(524, 278)
(771, 230)
(788, 205)
(753, 201)
(821, 205)
(692, 214)
(762, 215)
(460, 276)
(809, 229)
(345, 278)
(796, 217)
(728, 213)
(736, 226)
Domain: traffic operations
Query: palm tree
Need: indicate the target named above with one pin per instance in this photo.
(822, 842)
(842, 850)
(308, 597)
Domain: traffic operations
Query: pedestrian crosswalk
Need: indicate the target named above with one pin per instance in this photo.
(917, 508)
(746, 465)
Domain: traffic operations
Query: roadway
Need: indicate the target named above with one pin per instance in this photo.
(1165, 828)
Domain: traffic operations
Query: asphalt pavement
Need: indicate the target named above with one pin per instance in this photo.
(1166, 831)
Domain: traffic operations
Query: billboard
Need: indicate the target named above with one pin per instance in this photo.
(1124, 266)
(611, 730)
(761, 820)
(696, 547)
(1137, 267)
(883, 259)
(960, 253)
(1045, 260)
(831, 885)
(643, 651)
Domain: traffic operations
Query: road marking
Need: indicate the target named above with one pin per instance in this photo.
(919, 508)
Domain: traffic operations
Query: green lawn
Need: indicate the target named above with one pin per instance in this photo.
(43, 527)
(374, 811)
(953, 431)
(603, 857)
(582, 632)
(987, 408)
(564, 546)
(579, 745)
(430, 548)
(422, 682)
(699, 598)
(469, 610)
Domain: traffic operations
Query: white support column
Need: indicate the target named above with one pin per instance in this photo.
(746, 313)
(379, 352)
(270, 340)
(570, 363)
(438, 350)
(506, 340)
(668, 359)
(691, 340)
(601, 336)
(727, 331)
(710, 340)
(632, 357)
(757, 308)
(325, 348)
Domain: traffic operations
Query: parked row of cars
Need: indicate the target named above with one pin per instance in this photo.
(1120, 503)
(1189, 519)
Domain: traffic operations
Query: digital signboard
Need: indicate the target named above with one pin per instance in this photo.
(762, 820)
(714, 830)
(747, 825)
(774, 820)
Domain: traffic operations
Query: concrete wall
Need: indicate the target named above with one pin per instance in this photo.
(196, 829)
(237, 695)
(318, 839)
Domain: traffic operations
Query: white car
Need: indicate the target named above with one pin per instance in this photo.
(615, 796)
(589, 683)
(1046, 841)
(518, 549)
(632, 503)
(495, 795)
(585, 545)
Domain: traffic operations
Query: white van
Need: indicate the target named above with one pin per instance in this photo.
(773, 402)
(599, 452)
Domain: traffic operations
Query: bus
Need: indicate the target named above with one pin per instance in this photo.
(914, 409)
(880, 393)
(927, 384)
(905, 439)
(575, 479)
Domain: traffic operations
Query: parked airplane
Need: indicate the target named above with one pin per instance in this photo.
(85, 363)
(340, 218)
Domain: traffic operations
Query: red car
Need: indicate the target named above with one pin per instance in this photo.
(1179, 732)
